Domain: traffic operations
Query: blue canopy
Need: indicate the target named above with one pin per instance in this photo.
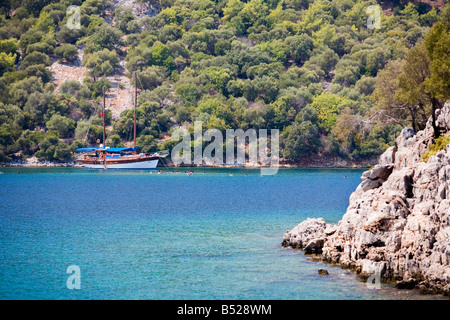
(89, 149)
(107, 149)
(120, 149)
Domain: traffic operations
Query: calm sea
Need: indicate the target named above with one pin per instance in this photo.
(135, 235)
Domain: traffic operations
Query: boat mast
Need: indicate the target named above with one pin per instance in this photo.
(135, 106)
(104, 130)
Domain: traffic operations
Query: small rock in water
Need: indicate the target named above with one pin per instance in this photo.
(323, 272)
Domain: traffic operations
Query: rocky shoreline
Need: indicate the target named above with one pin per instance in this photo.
(318, 163)
(397, 223)
(34, 162)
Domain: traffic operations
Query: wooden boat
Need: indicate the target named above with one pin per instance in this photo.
(118, 158)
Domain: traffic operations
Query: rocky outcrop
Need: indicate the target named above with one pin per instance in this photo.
(398, 219)
(307, 231)
(327, 161)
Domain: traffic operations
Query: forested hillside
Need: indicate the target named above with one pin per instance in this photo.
(312, 69)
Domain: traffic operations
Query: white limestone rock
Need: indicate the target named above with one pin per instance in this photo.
(398, 219)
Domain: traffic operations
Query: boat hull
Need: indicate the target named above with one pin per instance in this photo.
(117, 164)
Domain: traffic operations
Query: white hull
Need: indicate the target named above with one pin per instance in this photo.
(143, 165)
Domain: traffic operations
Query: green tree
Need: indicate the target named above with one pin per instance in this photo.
(324, 36)
(6, 62)
(66, 35)
(216, 77)
(35, 6)
(63, 125)
(411, 87)
(44, 22)
(437, 48)
(20, 91)
(33, 59)
(29, 37)
(188, 91)
(328, 106)
(51, 149)
(67, 52)
(161, 56)
(300, 139)
(29, 141)
(253, 11)
(347, 130)
(70, 87)
(97, 86)
(106, 37)
(40, 71)
(101, 63)
(299, 47)
(146, 144)
(324, 58)
(347, 72)
(365, 85)
(151, 77)
(9, 46)
(232, 9)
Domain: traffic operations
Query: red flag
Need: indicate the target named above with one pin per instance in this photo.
(101, 114)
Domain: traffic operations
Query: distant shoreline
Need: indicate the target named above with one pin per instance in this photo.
(45, 164)
(313, 161)
(281, 166)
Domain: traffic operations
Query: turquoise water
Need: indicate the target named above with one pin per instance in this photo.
(136, 235)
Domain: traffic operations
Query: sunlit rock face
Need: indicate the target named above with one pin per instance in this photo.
(398, 219)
